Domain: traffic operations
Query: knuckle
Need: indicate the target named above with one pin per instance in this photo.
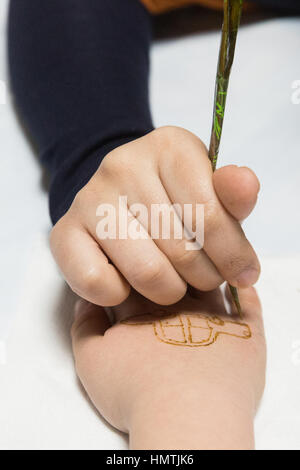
(174, 296)
(209, 283)
(169, 136)
(183, 257)
(212, 221)
(150, 273)
(119, 162)
(166, 132)
(173, 142)
(171, 133)
(114, 298)
(89, 285)
(94, 291)
(110, 163)
(178, 136)
(55, 237)
(80, 199)
(88, 197)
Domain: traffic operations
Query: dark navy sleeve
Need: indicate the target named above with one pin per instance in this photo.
(79, 74)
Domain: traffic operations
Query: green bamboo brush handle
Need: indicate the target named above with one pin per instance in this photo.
(231, 22)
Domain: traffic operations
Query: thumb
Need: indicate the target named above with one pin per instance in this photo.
(90, 322)
(237, 188)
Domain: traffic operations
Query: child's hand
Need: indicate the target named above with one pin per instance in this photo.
(182, 377)
(169, 165)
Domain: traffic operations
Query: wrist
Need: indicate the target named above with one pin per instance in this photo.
(202, 419)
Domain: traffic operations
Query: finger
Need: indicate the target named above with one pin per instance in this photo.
(166, 228)
(237, 189)
(85, 267)
(188, 180)
(90, 321)
(133, 305)
(92, 352)
(136, 256)
(211, 302)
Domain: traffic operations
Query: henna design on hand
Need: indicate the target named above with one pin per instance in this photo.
(190, 330)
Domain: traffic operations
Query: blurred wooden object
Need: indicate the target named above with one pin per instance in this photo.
(160, 6)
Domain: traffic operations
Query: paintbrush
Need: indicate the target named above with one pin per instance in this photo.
(231, 22)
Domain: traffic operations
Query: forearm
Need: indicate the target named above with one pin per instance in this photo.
(79, 72)
(205, 419)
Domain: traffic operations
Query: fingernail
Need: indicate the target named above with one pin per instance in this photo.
(81, 307)
(248, 277)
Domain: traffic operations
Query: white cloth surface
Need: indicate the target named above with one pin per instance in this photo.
(23, 202)
(41, 405)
